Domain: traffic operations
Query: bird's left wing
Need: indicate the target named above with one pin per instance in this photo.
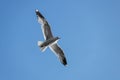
(45, 26)
(59, 52)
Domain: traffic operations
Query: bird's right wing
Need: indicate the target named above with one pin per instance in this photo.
(59, 52)
(45, 26)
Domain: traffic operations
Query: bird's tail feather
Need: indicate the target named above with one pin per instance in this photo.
(41, 48)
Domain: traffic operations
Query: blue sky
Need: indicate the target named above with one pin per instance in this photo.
(89, 32)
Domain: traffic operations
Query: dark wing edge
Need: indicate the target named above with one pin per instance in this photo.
(45, 26)
(59, 52)
(39, 14)
(47, 31)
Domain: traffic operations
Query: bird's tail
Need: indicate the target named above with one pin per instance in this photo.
(41, 48)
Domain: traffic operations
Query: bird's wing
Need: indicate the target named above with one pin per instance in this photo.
(45, 26)
(59, 52)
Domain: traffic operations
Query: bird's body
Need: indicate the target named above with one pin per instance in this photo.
(50, 40)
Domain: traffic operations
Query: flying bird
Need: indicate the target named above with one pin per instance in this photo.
(50, 40)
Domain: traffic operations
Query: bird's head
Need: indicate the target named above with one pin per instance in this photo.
(57, 37)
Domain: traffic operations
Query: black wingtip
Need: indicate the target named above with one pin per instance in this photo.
(64, 62)
(38, 13)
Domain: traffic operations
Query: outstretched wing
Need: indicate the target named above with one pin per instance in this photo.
(59, 52)
(45, 26)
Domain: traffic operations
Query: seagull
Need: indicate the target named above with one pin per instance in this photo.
(50, 40)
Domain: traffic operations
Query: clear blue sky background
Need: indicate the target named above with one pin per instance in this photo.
(89, 32)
